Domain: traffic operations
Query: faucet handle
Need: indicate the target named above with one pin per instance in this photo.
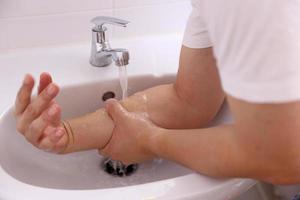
(101, 20)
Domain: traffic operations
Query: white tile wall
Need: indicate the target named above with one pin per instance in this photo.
(20, 8)
(153, 19)
(35, 22)
(25, 32)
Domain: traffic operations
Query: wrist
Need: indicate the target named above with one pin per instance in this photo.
(154, 141)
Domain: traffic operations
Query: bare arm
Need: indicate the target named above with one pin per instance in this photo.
(195, 97)
(197, 72)
(264, 144)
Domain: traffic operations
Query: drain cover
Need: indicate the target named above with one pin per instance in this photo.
(116, 168)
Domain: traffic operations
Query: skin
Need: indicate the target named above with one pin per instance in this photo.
(40, 122)
(256, 146)
(39, 119)
(168, 121)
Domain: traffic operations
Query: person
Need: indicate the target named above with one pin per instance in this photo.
(244, 51)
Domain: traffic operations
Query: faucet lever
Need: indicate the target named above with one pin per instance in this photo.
(101, 20)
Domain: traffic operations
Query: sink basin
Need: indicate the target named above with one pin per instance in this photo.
(28, 173)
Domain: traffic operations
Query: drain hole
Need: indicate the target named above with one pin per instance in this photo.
(108, 95)
(116, 168)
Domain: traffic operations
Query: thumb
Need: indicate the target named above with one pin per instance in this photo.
(116, 111)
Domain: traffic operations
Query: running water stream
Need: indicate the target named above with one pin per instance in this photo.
(113, 167)
(123, 81)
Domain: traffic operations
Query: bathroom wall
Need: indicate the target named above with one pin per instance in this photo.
(35, 22)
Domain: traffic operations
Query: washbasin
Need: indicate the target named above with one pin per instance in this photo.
(28, 173)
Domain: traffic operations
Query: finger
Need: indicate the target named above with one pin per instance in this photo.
(115, 110)
(41, 125)
(54, 134)
(102, 153)
(37, 106)
(56, 113)
(54, 141)
(46, 144)
(45, 80)
(60, 147)
(24, 95)
(53, 113)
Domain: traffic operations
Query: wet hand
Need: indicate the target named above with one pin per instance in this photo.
(39, 119)
(130, 135)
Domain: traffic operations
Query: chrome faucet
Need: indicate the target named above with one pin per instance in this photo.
(102, 54)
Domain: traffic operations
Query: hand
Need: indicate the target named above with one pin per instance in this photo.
(39, 119)
(130, 136)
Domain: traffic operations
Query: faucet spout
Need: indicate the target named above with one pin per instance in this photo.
(120, 56)
(102, 54)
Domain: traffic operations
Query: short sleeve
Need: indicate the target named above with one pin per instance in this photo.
(258, 54)
(196, 35)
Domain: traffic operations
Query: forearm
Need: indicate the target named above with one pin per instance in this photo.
(224, 152)
(218, 152)
(166, 107)
(93, 130)
(209, 151)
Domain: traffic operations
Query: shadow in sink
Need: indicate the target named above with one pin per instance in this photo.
(81, 170)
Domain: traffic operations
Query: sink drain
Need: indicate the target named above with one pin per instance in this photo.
(108, 95)
(116, 168)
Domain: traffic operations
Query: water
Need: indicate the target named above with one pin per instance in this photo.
(123, 81)
(120, 169)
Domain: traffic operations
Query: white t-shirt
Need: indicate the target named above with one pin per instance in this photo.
(256, 44)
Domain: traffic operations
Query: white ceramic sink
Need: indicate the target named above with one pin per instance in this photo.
(23, 166)
(30, 174)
